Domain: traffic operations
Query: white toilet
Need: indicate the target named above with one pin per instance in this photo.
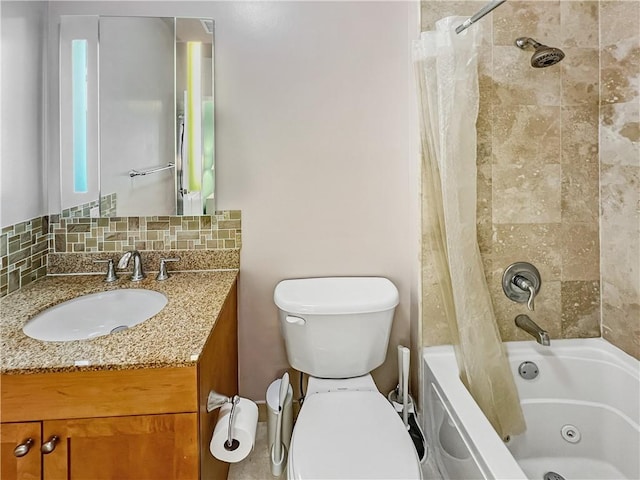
(336, 330)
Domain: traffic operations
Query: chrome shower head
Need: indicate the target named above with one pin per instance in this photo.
(543, 56)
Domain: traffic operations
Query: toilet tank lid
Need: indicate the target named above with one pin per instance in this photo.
(336, 295)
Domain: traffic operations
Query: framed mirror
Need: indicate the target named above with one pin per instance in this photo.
(136, 116)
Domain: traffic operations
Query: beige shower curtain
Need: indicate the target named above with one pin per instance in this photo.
(446, 65)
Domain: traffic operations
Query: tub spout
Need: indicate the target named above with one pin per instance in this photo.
(532, 328)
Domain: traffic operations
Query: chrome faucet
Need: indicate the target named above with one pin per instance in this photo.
(525, 323)
(138, 273)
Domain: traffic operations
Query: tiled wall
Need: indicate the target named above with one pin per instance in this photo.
(24, 247)
(538, 163)
(23, 254)
(620, 172)
(108, 208)
(118, 234)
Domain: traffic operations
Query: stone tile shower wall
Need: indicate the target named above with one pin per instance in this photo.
(538, 163)
(620, 173)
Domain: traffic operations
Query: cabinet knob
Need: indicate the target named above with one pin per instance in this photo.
(49, 446)
(22, 449)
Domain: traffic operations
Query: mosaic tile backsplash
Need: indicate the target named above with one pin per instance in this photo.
(24, 247)
(117, 234)
(108, 208)
(23, 254)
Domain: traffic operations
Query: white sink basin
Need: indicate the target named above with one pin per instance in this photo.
(95, 315)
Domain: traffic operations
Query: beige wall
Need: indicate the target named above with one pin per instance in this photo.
(620, 173)
(539, 160)
(316, 144)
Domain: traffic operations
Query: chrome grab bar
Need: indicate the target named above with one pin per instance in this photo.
(479, 14)
(136, 173)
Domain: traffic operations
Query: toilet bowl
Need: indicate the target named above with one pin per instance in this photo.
(336, 330)
(350, 434)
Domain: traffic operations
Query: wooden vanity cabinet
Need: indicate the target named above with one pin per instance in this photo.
(29, 465)
(134, 424)
(136, 447)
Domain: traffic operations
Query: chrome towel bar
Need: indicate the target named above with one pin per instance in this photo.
(136, 173)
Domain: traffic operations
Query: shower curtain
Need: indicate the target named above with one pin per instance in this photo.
(446, 65)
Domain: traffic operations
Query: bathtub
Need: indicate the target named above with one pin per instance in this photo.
(582, 412)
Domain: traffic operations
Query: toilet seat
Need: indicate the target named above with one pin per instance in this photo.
(351, 435)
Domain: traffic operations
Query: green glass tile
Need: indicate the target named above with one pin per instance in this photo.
(133, 224)
(205, 222)
(158, 225)
(14, 281)
(109, 246)
(115, 236)
(20, 227)
(188, 235)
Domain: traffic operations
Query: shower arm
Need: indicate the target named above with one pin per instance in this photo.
(479, 14)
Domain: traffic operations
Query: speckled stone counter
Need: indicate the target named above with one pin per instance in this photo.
(174, 337)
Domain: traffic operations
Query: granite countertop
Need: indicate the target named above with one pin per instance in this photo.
(172, 338)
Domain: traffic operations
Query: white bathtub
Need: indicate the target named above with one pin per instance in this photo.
(587, 387)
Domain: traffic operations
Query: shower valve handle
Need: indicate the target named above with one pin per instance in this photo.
(521, 283)
(526, 285)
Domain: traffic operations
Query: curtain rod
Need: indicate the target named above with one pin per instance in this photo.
(481, 13)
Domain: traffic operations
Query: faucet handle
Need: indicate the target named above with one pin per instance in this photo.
(521, 283)
(524, 284)
(111, 271)
(163, 274)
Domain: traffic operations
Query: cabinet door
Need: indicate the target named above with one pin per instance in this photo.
(137, 447)
(27, 466)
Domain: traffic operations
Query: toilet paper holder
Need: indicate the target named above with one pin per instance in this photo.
(217, 400)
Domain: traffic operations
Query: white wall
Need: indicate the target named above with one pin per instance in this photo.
(316, 144)
(22, 191)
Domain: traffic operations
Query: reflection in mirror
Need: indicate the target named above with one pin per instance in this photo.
(137, 129)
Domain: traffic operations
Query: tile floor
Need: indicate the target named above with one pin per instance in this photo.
(256, 466)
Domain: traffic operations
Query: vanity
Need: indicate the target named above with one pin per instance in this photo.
(131, 404)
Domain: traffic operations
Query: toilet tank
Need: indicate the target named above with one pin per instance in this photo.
(336, 327)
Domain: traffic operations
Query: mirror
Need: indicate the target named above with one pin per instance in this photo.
(136, 116)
